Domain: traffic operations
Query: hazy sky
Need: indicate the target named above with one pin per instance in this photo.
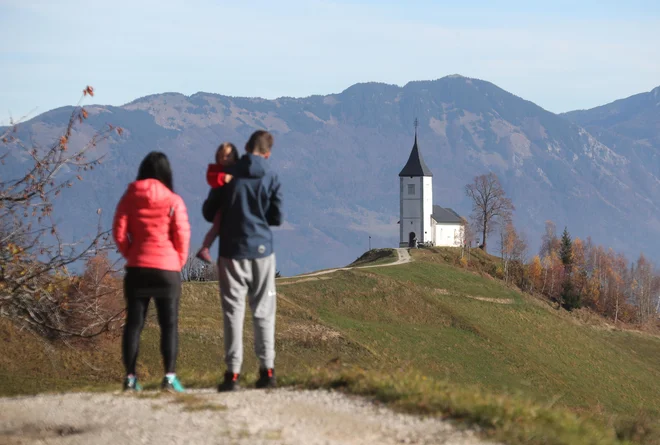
(560, 54)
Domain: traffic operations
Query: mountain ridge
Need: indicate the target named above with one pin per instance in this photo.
(655, 92)
(339, 156)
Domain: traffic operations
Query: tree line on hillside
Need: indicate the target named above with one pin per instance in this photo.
(573, 273)
(580, 273)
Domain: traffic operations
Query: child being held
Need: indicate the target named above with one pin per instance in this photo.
(225, 156)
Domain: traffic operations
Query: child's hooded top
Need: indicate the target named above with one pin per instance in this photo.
(151, 226)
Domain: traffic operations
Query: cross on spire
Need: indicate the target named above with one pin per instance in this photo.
(416, 124)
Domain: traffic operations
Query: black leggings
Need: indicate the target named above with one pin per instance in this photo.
(140, 285)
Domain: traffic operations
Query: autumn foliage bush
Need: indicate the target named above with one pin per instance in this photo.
(38, 288)
(93, 295)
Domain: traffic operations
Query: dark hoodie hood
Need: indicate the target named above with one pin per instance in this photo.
(250, 166)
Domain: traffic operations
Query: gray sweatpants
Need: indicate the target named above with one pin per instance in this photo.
(256, 279)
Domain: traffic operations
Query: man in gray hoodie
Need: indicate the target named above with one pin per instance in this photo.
(250, 204)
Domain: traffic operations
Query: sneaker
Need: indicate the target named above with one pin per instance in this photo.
(131, 384)
(204, 255)
(230, 383)
(172, 384)
(267, 378)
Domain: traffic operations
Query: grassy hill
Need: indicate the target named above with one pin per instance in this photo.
(408, 326)
(375, 257)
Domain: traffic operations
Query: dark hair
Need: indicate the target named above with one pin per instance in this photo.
(261, 141)
(156, 166)
(221, 147)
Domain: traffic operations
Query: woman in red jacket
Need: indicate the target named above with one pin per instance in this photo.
(152, 232)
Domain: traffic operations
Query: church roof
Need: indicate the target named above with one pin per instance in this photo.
(446, 216)
(415, 165)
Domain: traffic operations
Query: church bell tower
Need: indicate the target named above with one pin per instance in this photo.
(416, 199)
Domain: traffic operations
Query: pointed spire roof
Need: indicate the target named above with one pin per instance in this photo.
(415, 165)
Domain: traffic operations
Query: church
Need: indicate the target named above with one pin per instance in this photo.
(421, 221)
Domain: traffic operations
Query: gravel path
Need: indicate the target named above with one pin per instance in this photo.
(404, 257)
(205, 417)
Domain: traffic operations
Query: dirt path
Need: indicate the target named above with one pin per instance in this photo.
(206, 417)
(404, 257)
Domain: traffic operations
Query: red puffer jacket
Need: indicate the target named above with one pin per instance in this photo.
(151, 226)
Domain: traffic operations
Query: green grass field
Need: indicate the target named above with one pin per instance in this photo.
(375, 257)
(425, 336)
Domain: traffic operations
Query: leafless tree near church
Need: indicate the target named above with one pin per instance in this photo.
(490, 206)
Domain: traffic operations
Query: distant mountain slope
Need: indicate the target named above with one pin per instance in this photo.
(636, 117)
(339, 156)
(631, 127)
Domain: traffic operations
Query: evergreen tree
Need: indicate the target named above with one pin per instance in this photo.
(570, 298)
(566, 250)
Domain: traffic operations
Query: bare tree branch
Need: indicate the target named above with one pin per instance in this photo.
(490, 206)
(37, 289)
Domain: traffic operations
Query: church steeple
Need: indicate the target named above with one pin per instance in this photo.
(415, 165)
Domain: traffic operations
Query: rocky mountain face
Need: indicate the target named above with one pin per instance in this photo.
(339, 156)
(631, 128)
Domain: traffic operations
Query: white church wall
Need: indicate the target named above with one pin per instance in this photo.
(411, 211)
(448, 235)
(414, 192)
(427, 209)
